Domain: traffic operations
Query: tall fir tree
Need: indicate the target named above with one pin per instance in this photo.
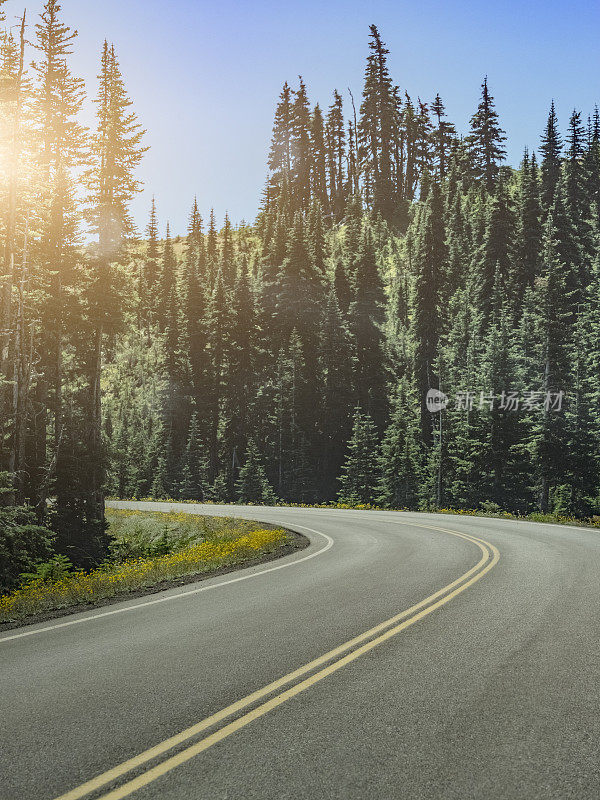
(358, 479)
(377, 128)
(336, 150)
(253, 485)
(399, 458)
(301, 169)
(497, 251)
(280, 153)
(318, 178)
(550, 436)
(550, 150)
(442, 136)
(367, 322)
(528, 231)
(151, 274)
(337, 393)
(117, 151)
(58, 100)
(430, 267)
(486, 140)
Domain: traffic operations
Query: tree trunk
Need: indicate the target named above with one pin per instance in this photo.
(96, 454)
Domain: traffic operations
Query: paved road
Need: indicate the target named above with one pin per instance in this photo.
(489, 688)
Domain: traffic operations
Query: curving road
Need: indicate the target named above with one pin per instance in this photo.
(398, 656)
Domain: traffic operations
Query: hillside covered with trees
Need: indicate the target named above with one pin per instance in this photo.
(290, 359)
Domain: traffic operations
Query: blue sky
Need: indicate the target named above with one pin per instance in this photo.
(205, 76)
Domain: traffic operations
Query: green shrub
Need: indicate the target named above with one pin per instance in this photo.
(489, 507)
(54, 570)
(146, 537)
(23, 544)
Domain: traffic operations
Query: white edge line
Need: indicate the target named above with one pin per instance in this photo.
(187, 593)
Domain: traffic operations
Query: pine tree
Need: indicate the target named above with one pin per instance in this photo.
(529, 231)
(299, 287)
(318, 179)
(409, 151)
(497, 252)
(341, 283)
(430, 266)
(15, 363)
(151, 274)
(397, 316)
(550, 440)
(253, 485)
(399, 459)
(301, 150)
(316, 239)
(242, 362)
(377, 128)
(168, 280)
(159, 490)
(336, 149)
(358, 480)
(337, 395)
(227, 255)
(569, 248)
(442, 137)
(176, 404)
(353, 234)
(592, 167)
(282, 411)
(271, 264)
(506, 465)
(193, 472)
(280, 153)
(117, 150)
(58, 99)
(212, 250)
(367, 321)
(576, 189)
(352, 172)
(423, 147)
(550, 149)
(462, 424)
(218, 326)
(299, 307)
(582, 419)
(195, 310)
(486, 140)
(458, 247)
(137, 457)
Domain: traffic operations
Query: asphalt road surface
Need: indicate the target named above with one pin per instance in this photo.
(398, 656)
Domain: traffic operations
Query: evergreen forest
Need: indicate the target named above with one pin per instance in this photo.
(289, 359)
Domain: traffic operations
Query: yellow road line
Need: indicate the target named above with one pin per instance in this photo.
(394, 626)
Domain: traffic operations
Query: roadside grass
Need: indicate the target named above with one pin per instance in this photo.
(147, 548)
(534, 516)
(148, 533)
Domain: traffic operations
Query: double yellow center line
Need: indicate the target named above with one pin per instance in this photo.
(320, 668)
